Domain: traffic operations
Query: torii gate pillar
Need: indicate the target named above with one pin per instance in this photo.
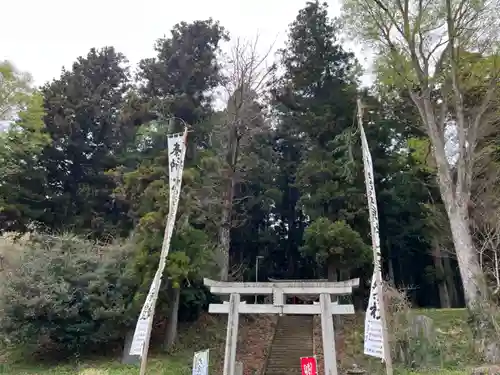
(232, 335)
(329, 351)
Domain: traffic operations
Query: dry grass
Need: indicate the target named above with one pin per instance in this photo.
(451, 352)
(11, 245)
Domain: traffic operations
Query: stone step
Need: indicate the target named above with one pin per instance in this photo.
(290, 348)
(292, 342)
(293, 368)
(291, 358)
(284, 370)
(279, 336)
(289, 364)
(289, 355)
(293, 329)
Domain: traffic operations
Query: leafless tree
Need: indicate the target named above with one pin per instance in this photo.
(486, 220)
(247, 72)
(487, 235)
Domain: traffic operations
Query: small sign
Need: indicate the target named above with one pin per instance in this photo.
(308, 365)
(200, 362)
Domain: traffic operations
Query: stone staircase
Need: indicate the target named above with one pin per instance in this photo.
(293, 339)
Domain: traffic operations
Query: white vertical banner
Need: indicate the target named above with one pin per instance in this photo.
(376, 341)
(176, 156)
(372, 201)
(374, 331)
(200, 362)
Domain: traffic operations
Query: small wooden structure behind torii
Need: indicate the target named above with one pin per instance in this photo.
(304, 298)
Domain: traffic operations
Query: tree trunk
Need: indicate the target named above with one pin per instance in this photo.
(450, 282)
(332, 272)
(289, 273)
(474, 283)
(470, 271)
(444, 296)
(390, 266)
(227, 205)
(225, 230)
(171, 336)
(496, 271)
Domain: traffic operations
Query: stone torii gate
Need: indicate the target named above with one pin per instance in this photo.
(279, 290)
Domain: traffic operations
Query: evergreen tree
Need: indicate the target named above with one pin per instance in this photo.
(83, 119)
(316, 98)
(175, 85)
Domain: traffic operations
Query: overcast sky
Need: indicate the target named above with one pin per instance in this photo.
(42, 36)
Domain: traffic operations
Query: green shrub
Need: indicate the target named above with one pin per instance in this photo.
(66, 291)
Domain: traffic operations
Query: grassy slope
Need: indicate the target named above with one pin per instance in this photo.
(209, 332)
(451, 352)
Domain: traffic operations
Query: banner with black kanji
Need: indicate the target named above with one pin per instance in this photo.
(374, 344)
(176, 155)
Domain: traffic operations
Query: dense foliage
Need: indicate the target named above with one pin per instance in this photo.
(66, 291)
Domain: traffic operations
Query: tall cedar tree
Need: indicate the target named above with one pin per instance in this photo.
(316, 99)
(83, 118)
